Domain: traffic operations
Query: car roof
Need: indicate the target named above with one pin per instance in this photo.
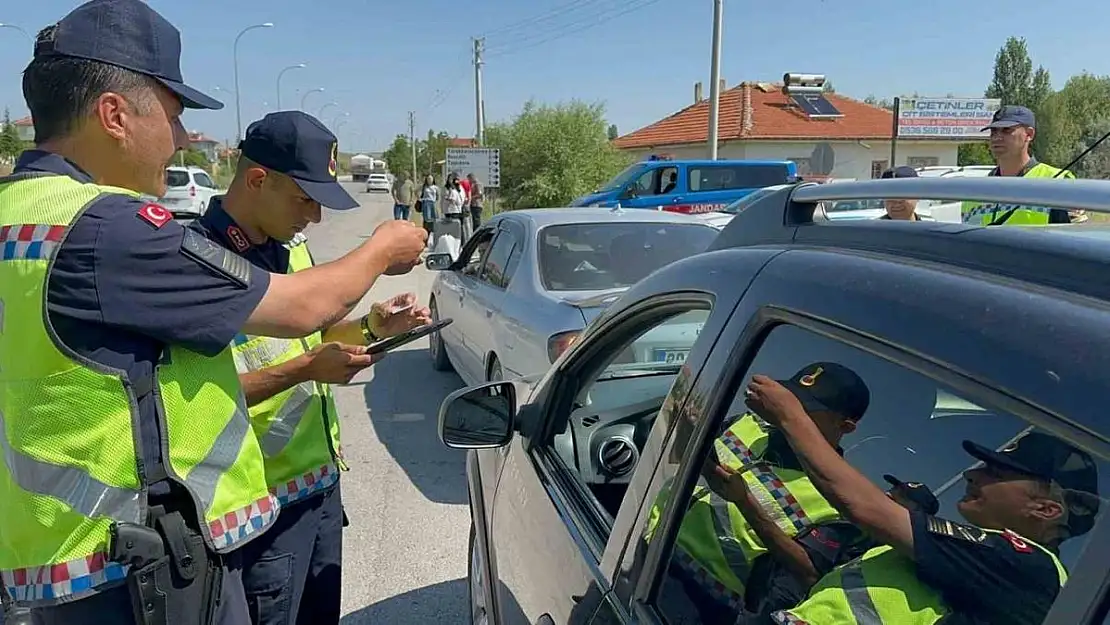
(541, 217)
(719, 162)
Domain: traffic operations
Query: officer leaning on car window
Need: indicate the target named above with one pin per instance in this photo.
(1000, 567)
(131, 472)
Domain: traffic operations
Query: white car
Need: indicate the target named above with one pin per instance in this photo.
(377, 182)
(188, 191)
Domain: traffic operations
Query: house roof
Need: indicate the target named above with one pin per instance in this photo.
(23, 121)
(461, 142)
(198, 137)
(759, 111)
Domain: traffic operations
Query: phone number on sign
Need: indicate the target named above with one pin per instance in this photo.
(958, 131)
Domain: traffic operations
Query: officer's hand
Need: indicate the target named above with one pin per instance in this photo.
(337, 363)
(398, 314)
(403, 243)
(726, 483)
(772, 401)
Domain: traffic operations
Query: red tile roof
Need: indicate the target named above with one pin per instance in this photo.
(461, 142)
(198, 137)
(760, 111)
(23, 121)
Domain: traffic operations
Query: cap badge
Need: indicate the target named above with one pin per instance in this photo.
(333, 165)
(914, 484)
(810, 379)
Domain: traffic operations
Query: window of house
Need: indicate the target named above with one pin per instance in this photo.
(877, 168)
(913, 428)
(923, 161)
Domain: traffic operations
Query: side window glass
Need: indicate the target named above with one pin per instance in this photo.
(645, 184)
(477, 251)
(727, 177)
(493, 271)
(600, 440)
(757, 536)
(203, 180)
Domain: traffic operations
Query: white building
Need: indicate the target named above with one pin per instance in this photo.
(757, 121)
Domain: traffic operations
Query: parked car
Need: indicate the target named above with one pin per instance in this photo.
(539, 276)
(688, 186)
(188, 191)
(378, 182)
(579, 477)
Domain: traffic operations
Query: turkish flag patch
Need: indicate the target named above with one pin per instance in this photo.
(155, 215)
(1019, 544)
(237, 238)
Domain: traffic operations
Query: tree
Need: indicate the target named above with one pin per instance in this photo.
(398, 156)
(613, 132)
(1015, 83)
(1067, 117)
(1096, 164)
(10, 144)
(977, 153)
(431, 151)
(552, 154)
(194, 158)
(884, 103)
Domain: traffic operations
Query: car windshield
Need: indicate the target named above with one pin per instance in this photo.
(738, 206)
(596, 256)
(177, 178)
(622, 178)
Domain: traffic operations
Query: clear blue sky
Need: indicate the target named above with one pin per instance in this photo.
(379, 60)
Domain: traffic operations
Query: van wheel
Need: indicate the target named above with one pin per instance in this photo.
(495, 374)
(440, 361)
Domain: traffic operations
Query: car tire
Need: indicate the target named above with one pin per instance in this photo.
(479, 614)
(440, 361)
(494, 373)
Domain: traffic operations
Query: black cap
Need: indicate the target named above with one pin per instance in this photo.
(298, 145)
(901, 171)
(1010, 116)
(127, 34)
(916, 492)
(830, 386)
(1048, 458)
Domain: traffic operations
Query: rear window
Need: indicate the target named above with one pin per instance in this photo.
(378, 177)
(736, 176)
(587, 257)
(176, 178)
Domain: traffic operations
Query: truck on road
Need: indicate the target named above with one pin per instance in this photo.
(363, 165)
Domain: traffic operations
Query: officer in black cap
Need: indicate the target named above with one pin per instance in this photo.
(287, 170)
(124, 287)
(1002, 567)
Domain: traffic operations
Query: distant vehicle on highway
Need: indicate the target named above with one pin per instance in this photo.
(378, 182)
(362, 166)
(689, 186)
(188, 192)
(527, 282)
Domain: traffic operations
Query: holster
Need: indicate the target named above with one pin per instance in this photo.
(174, 579)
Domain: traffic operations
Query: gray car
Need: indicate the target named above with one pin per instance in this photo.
(528, 282)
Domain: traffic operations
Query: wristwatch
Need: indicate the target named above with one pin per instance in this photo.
(368, 334)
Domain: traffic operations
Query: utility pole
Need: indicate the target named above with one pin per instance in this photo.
(715, 77)
(479, 108)
(412, 140)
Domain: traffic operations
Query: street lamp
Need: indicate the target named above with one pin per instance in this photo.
(20, 29)
(282, 73)
(320, 113)
(304, 98)
(335, 124)
(235, 64)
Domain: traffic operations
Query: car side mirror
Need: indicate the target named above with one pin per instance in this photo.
(438, 262)
(479, 417)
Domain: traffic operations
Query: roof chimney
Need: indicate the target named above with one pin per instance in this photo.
(697, 92)
(721, 86)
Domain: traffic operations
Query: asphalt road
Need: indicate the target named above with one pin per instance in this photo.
(405, 550)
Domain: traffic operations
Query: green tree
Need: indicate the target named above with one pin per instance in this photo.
(10, 144)
(1016, 83)
(883, 103)
(977, 153)
(613, 132)
(194, 158)
(1096, 164)
(552, 154)
(398, 156)
(432, 151)
(1067, 117)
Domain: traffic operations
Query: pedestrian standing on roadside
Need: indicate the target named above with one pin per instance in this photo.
(476, 197)
(402, 192)
(454, 205)
(429, 198)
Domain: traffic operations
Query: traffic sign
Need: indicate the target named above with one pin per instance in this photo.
(484, 163)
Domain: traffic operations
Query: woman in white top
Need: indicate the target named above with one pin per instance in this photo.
(454, 203)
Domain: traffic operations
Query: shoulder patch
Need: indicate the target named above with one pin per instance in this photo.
(221, 260)
(959, 531)
(155, 215)
(1019, 544)
(237, 238)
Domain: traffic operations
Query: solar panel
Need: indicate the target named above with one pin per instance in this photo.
(815, 105)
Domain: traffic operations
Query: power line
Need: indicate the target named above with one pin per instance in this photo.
(531, 32)
(577, 27)
(530, 22)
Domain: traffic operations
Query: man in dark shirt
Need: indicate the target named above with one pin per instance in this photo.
(1033, 494)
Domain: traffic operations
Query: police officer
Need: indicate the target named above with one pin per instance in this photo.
(131, 476)
(1003, 567)
(286, 171)
(1012, 130)
(716, 552)
(901, 210)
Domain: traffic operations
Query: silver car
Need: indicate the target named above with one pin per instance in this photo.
(528, 282)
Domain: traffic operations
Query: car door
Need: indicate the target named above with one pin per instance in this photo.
(653, 188)
(504, 309)
(450, 293)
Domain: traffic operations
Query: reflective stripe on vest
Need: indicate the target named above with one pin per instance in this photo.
(895, 596)
(69, 428)
(716, 545)
(299, 441)
(985, 214)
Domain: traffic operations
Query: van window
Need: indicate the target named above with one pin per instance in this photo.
(177, 178)
(735, 176)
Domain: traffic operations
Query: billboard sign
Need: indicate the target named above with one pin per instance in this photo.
(945, 118)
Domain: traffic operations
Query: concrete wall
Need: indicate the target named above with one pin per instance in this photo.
(852, 160)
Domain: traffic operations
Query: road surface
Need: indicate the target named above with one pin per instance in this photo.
(404, 554)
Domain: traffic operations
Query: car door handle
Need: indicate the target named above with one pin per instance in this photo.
(676, 199)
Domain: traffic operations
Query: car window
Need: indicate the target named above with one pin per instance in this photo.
(598, 256)
(494, 271)
(203, 180)
(913, 429)
(725, 177)
(475, 251)
(177, 178)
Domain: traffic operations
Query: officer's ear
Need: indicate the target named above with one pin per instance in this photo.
(254, 178)
(1046, 503)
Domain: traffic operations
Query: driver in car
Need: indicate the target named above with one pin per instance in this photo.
(718, 544)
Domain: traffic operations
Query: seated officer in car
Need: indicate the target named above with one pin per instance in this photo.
(717, 546)
(795, 564)
(1001, 567)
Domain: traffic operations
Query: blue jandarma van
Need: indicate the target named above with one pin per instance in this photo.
(688, 186)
